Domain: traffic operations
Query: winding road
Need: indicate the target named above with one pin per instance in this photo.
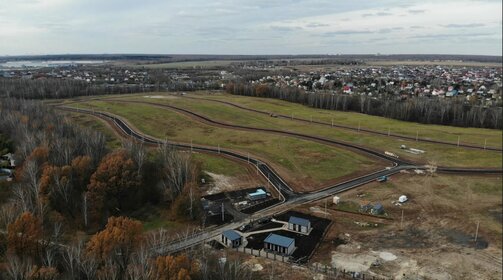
(288, 196)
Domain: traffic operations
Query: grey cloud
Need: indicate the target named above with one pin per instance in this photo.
(284, 28)
(389, 30)
(468, 25)
(379, 14)
(345, 32)
(449, 35)
(314, 25)
(416, 11)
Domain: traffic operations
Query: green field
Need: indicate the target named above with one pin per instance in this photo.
(475, 136)
(305, 163)
(441, 154)
(219, 165)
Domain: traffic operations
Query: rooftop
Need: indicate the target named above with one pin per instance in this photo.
(257, 192)
(298, 221)
(279, 240)
(231, 234)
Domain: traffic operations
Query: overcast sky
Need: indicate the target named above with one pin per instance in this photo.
(250, 26)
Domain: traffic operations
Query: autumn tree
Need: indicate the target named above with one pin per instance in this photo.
(115, 186)
(117, 242)
(24, 235)
(174, 268)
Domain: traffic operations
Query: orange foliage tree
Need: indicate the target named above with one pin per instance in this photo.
(117, 241)
(24, 235)
(115, 185)
(174, 268)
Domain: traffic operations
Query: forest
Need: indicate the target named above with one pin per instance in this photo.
(454, 111)
(68, 182)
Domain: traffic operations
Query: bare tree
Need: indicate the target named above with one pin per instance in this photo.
(137, 151)
(176, 168)
(18, 269)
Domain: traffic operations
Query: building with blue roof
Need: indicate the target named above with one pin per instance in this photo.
(299, 224)
(279, 244)
(231, 238)
(257, 195)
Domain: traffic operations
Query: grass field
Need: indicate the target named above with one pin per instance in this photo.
(441, 154)
(306, 163)
(475, 136)
(219, 165)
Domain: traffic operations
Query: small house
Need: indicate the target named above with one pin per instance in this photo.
(257, 195)
(231, 238)
(279, 244)
(299, 224)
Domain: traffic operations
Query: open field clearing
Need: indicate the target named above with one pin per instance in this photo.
(436, 240)
(476, 136)
(307, 164)
(440, 154)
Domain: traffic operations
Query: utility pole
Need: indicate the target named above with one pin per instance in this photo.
(223, 216)
(401, 221)
(326, 207)
(477, 232)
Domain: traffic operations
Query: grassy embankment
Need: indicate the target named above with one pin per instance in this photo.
(305, 163)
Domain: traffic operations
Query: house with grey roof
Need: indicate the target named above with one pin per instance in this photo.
(299, 224)
(279, 244)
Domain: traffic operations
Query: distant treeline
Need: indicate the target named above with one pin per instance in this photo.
(454, 111)
(61, 88)
(198, 57)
